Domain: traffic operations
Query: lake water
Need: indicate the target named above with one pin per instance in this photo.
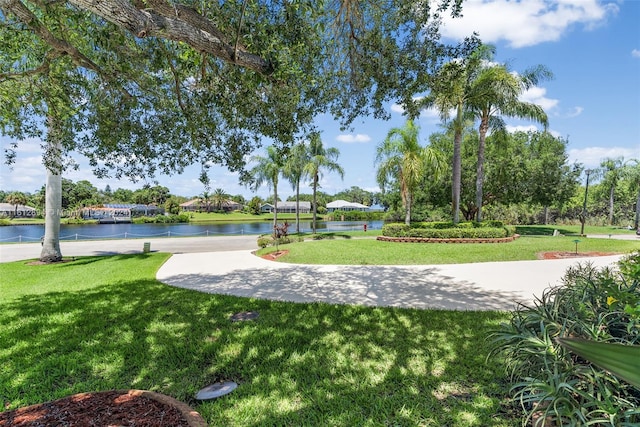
(33, 233)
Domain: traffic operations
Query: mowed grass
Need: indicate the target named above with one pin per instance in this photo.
(374, 252)
(102, 323)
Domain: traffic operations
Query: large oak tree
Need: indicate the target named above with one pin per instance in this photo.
(142, 87)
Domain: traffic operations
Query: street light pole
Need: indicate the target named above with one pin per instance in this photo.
(584, 205)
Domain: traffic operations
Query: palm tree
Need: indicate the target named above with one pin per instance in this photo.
(16, 198)
(267, 171)
(451, 89)
(611, 171)
(294, 171)
(493, 92)
(51, 251)
(632, 173)
(218, 198)
(320, 158)
(400, 157)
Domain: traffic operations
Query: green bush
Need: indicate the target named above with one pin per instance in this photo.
(265, 240)
(601, 305)
(446, 230)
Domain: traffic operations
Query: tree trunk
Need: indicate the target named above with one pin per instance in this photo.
(546, 215)
(315, 205)
(457, 167)
(53, 208)
(637, 221)
(484, 127)
(407, 218)
(275, 208)
(611, 194)
(298, 206)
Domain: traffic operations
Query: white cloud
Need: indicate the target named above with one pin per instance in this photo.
(524, 23)
(537, 95)
(397, 108)
(359, 138)
(521, 128)
(591, 157)
(575, 112)
(635, 53)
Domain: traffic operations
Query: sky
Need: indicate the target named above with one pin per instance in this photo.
(591, 46)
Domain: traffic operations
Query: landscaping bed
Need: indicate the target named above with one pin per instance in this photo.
(107, 408)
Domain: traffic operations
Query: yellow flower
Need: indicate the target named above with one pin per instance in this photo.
(611, 300)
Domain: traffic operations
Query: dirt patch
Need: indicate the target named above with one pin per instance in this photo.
(107, 408)
(275, 255)
(564, 255)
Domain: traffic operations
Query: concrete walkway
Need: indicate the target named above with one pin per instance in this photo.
(224, 264)
(477, 286)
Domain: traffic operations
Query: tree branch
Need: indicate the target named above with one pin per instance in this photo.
(161, 21)
(62, 47)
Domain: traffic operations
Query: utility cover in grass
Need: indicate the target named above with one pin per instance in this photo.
(216, 390)
(244, 315)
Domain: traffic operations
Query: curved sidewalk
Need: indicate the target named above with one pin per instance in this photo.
(477, 286)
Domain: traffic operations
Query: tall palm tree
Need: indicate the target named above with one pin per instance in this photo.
(267, 171)
(51, 251)
(320, 158)
(451, 89)
(495, 91)
(294, 171)
(632, 173)
(611, 171)
(400, 157)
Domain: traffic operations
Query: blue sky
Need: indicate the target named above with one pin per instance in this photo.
(592, 47)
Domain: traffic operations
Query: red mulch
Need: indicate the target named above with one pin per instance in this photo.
(275, 255)
(104, 409)
(563, 255)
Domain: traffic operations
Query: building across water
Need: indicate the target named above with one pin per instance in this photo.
(115, 213)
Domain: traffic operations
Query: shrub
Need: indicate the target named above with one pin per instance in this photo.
(265, 240)
(596, 304)
(446, 230)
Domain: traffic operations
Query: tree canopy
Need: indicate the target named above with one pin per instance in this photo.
(142, 87)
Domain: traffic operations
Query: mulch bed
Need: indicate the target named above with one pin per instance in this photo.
(564, 255)
(106, 409)
(275, 255)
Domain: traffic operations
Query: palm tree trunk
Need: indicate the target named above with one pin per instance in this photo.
(53, 204)
(637, 221)
(407, 217)
(484, 127)
(298, 206)
(315, 205)
(275, 208)
(457, 166)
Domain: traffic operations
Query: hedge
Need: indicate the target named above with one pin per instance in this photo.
(446, 230)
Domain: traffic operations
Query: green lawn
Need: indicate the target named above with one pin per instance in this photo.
(103, 323)
(370, 251)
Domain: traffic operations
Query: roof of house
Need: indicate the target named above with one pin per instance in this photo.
(339, 204)
(10, 207)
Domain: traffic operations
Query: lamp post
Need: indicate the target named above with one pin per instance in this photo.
(584, 205)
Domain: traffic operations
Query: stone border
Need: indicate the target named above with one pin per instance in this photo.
(451, 240)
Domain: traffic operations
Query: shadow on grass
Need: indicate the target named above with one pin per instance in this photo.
(298, 364)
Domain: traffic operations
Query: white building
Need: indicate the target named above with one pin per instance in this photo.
(342, 205)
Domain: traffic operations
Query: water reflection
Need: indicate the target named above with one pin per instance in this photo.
(31, 233)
